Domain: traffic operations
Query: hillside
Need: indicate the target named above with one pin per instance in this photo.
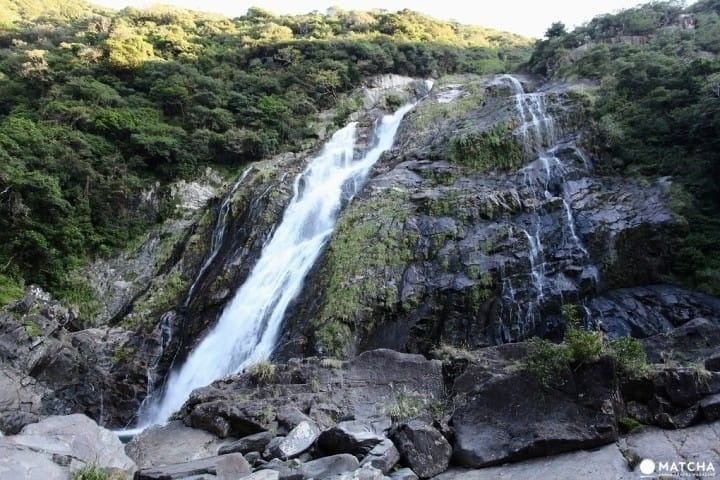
(97, 106)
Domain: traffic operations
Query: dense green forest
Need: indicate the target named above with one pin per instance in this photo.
(656, 110)
(96, 106)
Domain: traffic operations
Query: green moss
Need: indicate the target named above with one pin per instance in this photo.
(122, 353)
(628, 425)
(493, 149)
(166, 292)
(364, 264)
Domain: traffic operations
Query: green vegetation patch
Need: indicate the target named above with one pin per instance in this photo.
(364, 262)
(493, 149)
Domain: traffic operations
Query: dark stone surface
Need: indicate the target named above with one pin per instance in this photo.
(422, 448)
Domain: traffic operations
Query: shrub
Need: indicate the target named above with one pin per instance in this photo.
(447, 352)
(583, 346)
(629, 356)
(263, 372)
(546, 360)
(331, 363)
(405, 407)
(628, 424)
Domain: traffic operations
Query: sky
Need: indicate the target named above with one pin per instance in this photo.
(527, 17)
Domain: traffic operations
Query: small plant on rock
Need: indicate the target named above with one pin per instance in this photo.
(91, 472)
(405, 407)
(629, 356)
(263, 372)
(330, 362)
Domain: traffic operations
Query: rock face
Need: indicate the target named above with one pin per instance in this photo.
(423, 448)
(351, 437)
(58, 445)
(447, 244)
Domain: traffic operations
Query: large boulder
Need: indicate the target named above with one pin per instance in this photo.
(384, 456)
(422, 448)
(59, 445)
(224, 467)
(512, 416)
(349, 437)
(319, 469)
(252, 443)
(364, 389)
(170, 444)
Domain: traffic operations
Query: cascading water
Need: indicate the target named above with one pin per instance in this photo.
(249, 326)
(539, 134)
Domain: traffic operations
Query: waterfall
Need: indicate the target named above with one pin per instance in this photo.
(537, 126)
(249, 326)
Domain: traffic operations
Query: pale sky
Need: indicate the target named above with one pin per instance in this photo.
(527, 17)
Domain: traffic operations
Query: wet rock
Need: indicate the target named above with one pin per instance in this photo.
(251, 443)
(58, 445)
(170, 444)
(227, 467)
(422, 448)
(349, 437)
(384, 456)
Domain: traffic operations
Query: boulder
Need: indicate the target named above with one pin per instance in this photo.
(511, 416)
(59, 445)
(263, 475)
(20, 400)
(604, 463)
(252, 443)
(403, 474)
(710, 407)
(225, 467)
(354, 437)
(170, 444)
(363, 473)
(422, 448)
(300, 439)
(327, 467)
(384, 456)
(362, 389)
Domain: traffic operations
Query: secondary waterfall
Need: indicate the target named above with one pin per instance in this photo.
(249, 326)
